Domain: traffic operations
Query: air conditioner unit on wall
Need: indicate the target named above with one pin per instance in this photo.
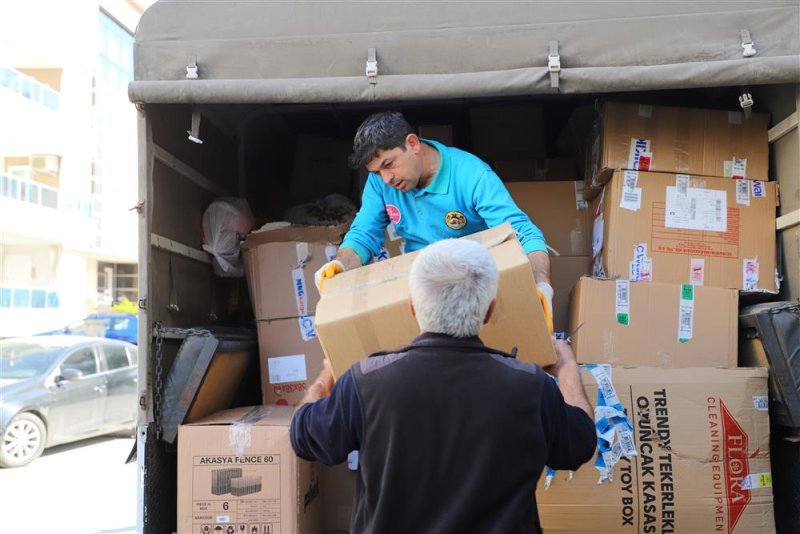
(45, 163)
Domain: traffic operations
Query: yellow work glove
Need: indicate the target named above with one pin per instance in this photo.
(545, 292)
(329, 270)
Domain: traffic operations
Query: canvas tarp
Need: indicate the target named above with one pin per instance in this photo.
(283, 51)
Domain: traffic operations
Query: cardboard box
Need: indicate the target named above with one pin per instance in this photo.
(701, 438)
(290, 358)
(560, 212)
(508, 131)
(540, 170)
(366, 310)
(687, 229)
(437, 132)
(237, 467)
(655, 324)
(678, 140)
(565, 271)
(338, 493)
(280, 266)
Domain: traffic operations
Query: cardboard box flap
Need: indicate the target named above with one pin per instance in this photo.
(253, 415)
(287, 234)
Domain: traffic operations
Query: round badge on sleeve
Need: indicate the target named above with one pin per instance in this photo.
(455, 220)
(393, 213)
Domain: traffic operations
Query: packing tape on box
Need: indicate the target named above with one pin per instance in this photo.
(239, 433)
(300, 291)
(759, 191)
(614, 429)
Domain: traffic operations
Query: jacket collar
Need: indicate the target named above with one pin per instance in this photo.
(430, 338)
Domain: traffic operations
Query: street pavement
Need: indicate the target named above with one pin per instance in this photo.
(78, 488)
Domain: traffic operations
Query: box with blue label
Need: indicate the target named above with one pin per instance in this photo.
(280, 264)
(290, 358)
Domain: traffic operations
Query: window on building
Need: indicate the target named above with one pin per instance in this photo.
(116, 54)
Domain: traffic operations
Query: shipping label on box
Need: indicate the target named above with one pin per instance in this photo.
(689, 229)
(559, 211)
(290, 358)
(651, 323)
(365, 310)
(280, 266)
(237, 470)
(701, 461)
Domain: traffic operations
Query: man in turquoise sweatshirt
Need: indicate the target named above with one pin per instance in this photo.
(430, 192)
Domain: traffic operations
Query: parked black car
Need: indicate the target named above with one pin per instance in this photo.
(58, 389)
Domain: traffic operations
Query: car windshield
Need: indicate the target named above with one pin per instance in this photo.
(26, 359)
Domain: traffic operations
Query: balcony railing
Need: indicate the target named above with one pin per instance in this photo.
(25, 190)
(29, 88)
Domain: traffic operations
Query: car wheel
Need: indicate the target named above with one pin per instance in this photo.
(23, 441)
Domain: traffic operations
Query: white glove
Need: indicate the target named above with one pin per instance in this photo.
(545, 292)
(329, 270)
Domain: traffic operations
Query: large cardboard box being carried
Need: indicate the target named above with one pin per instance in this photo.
(366, 309)
(280, 266)
(290, 358)
(671, 139)
(560, 212)
(237, 468)
(650, 323)
(701, 438)
(687, 229)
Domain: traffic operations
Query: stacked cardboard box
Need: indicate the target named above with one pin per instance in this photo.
(280, 266)
(563, 216)
(687, 442)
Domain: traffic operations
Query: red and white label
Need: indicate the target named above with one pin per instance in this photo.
(736, 466)
(393, 213)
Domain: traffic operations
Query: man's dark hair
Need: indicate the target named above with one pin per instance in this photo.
(380, 131)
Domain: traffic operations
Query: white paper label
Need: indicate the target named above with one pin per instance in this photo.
(739, 168)
(580, 202)
(302, 253)
(631, 195)
(750, 274)
(307, 325)
(761, 403)
(391, 231)
(300, 293)
(682, 183)
(686, 313)
(641, 267)
(697, 271)
(759, 191)
(330, 252)
(756, 481)
(645, 111)
(735, 117)
(382, 255)
(284, 369)
(699, 209)
(602, 374)
(640, 157)
(597, 235)
(623, 306)
(743, 191)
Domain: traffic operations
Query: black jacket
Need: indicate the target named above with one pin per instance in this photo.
(453, 437)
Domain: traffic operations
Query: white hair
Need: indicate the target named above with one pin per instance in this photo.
(452, 283)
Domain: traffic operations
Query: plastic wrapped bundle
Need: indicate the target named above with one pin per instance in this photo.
(225, 223)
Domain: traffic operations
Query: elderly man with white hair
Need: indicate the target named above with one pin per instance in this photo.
(453, 435)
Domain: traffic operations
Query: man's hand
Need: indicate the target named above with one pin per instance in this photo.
(568, 372)
(545, 292)
(329, 270)
(321, 387)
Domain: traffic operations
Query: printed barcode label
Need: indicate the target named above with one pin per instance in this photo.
(756, 481)
(686, 313)
(739, 168)
(626, 442)
(682, 183)
(749, 274)
(580, 201)
(718, 210)
(697, 271)
(761, 403)
(623, 302)
(284, 369)
(742, 192)
(629, 179)
(602, 375)
(631, 199)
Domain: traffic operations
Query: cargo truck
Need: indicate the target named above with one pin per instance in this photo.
(227, 91)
